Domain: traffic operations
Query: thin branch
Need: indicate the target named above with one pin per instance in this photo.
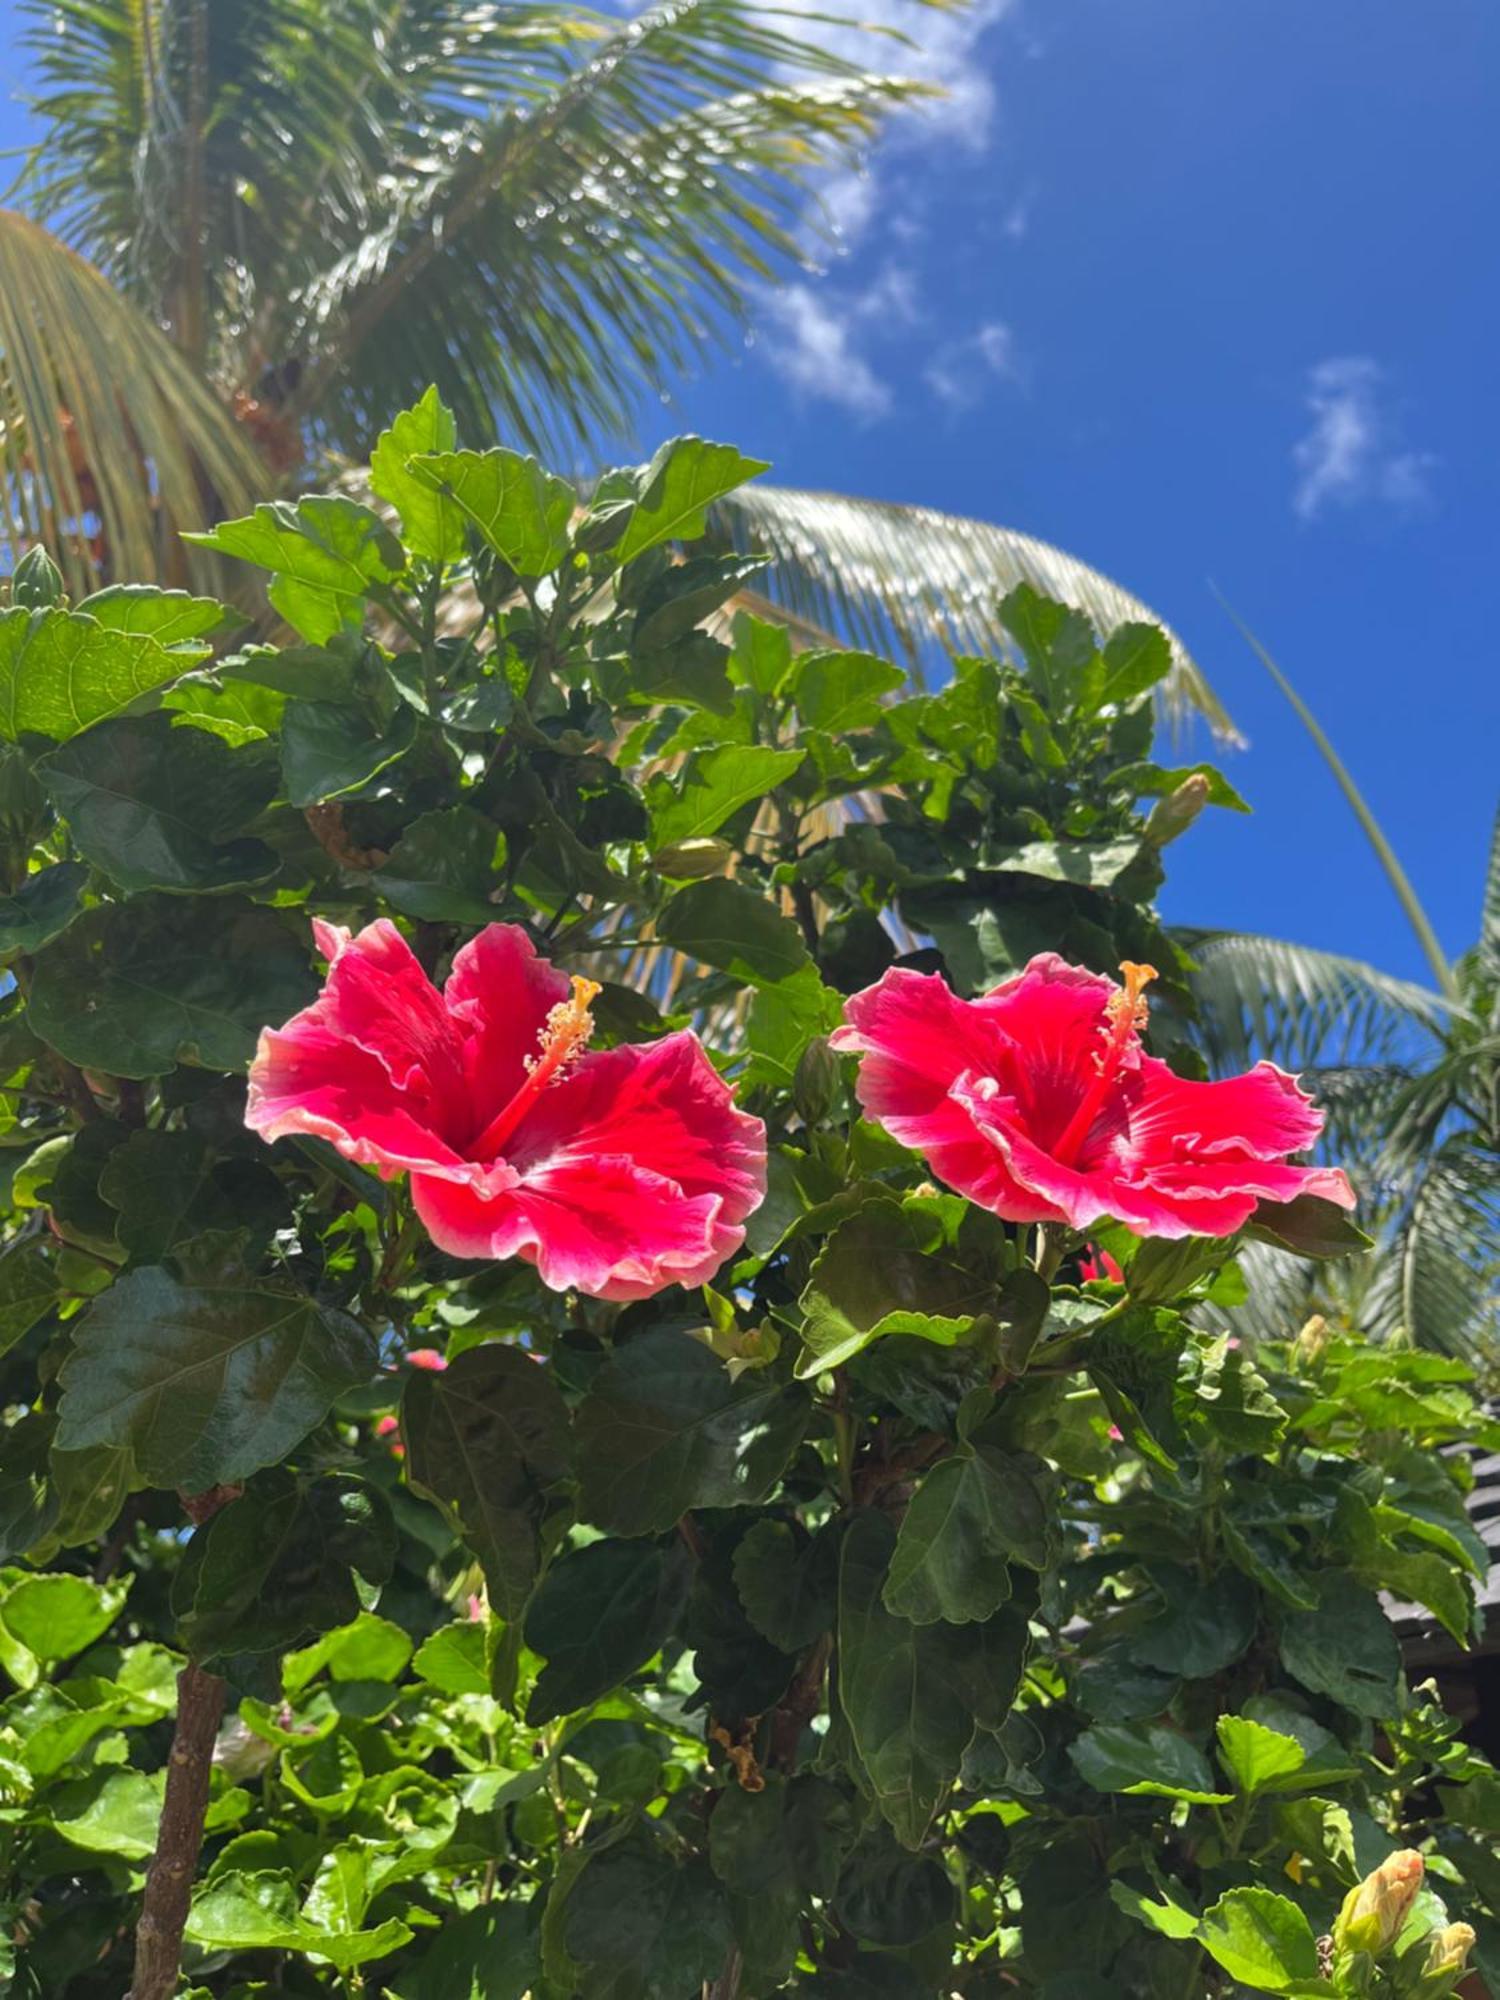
(169, 1881)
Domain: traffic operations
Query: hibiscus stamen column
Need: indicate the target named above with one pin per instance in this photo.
(562, 1040)
(1128, 1014)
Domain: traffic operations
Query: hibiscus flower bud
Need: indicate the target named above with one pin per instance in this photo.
(691, 860)
(1174, 814)
(1312, 1341)
(1448, 1951)
(36, 582)
(1375, 1909)
(816, 1081)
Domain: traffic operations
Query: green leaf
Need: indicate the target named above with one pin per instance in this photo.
(901, 1687)
(367, 1649)
(275, 1568)
(431, 526)
(1308, 1226)
(686, 476)
(324, 552)
(453, 1659)
(762, 656)
(1144, 1759)
(114, 1812)
(1262, 1940)
(40, 909)
(782, 1020)
(28, 1289)
(168, 1188)
(489, 1953)
(868, 1261)
(713, 788)
(206, 1381)
(601, 1612)
(651, 1923)
(1151, 781)
(61, 671)
(1166, 1918)
(1261, 1759)
(171, 617)
(155, 806)
(133, 992)
(1345, 1649)
(328, 751)
(1092, 864)
(665, 1428)
(1202, 1629)
(58, 1616)
(487, 1439)
(973, 1513)
(838, 692)
(520, 510)
(789, 1588)
(28, 1505)
(445, 868)
(1136, 657)
(733, 927)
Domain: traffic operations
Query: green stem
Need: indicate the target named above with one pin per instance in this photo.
(1396, 875)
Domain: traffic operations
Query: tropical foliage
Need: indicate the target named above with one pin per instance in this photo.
(905, 1611)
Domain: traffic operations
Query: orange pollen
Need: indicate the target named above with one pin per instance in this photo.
(564, 1037)
(1127, 1013)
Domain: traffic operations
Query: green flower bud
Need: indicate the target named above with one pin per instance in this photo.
(816, 1081)
(1175, 813)
(36, 581)
(1375, 1909)
(691, 860)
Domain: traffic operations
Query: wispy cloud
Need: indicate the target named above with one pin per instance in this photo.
(1352, 451)
(812, 343)
(961, 371)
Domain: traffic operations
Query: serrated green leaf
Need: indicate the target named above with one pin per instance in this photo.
(155, 806)
(601, 1612)
(522, 511)
(1144, 1759)
(445, 868)
(40, 909)
(324, 552)
(61, 672)
(974, 1513)
(205, 1382)
(731, 926)
(715, 785)
(487, 1439)
(132, 992)
(665, 1428)
(431, 526)
(686, 476)
(1262, 1940)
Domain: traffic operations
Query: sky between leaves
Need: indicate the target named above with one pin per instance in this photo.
(1196, 292)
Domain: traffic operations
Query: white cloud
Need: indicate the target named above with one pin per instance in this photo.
(961, 370)
(1352, 450)
(811, 343)
(921, 42)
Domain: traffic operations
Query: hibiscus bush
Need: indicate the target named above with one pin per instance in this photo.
(613, 1313)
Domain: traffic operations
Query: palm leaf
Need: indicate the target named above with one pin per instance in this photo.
(577, 245)
(109, 442)
(1437, 1274)
(922, 583)
(1263, 997)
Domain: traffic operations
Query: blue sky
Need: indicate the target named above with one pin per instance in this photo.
(1199, 291)
(1206, 291)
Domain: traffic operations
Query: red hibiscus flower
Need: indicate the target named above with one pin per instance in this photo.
(1096, 1264)
(1038, 1102)
(616, 1173)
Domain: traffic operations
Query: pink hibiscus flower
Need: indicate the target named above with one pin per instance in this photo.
(616, 1173)
(1039, 1103)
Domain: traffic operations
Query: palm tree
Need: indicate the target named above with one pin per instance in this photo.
(273, 223)
(1410, 1078)
(276, 222)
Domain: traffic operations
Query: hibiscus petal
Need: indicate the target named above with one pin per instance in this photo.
(661, 1105)
(1265, 1114)
(378, 997)
(603, 1226)
(498, 996)
(916, 1036)
(305, 1078)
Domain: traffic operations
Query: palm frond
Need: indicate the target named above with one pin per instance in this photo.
(1303, 1008)
(1489, 916)
(1437, 1274)
(109, 443)
(921, 583)
(575, 246)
